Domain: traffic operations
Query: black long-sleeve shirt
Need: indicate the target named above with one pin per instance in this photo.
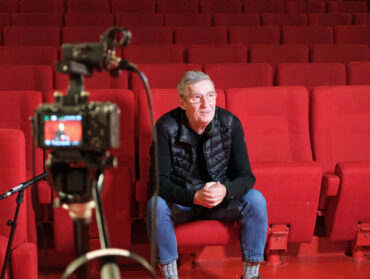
(239, 171)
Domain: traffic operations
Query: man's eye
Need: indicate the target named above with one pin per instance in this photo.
(197, 97)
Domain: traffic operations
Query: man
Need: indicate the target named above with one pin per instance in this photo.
(204, 173)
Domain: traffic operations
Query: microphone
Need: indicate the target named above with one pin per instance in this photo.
(22, 186)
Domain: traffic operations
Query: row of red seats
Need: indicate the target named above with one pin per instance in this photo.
(201, 54)
(166, 75)
(210, 7)
(173, 20)
(308, 35)
(279, 124)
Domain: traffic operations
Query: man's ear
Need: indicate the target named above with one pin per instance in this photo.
(181, 102)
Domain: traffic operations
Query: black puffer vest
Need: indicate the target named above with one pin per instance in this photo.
(216, 147)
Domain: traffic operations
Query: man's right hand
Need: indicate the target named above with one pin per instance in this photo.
(211, 195)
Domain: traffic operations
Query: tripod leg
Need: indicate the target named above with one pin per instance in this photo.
(81, 231)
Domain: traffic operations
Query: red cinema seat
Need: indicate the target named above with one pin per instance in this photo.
(161, 75)
(187, 19)
(4, 19)
(17, 108)
(154, 53)
(99, 80)
(260, 7)
(81, 34)
(236, 20)
(280, 19)
(28, 36)
(305, 7)
(9, 6)
(23, 255)
(26, 77)
(239, 75)
(254, 35)
(137, 6)
(307, 35)
(42, 6)
(358, 73)
(281, 158)
(178, 7)
(340, 138)
(89, 19)
(214, 7)
(88, 6)
(331, 19)
(138, 19)
(347, 7)
(164, 100)
(340, 53)
(151, 34)
(311, 74)
(352, 34)
(119, 182)
(200, 35)
(28, 55)
(275, 54)
(42, 19)
(361, 18)
(206, 54)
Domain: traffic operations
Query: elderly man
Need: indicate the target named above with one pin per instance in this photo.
(205, 174)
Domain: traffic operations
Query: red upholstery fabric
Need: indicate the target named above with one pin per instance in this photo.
(274, 53)
(4, 19)
(151, 34)
(236, 19)
(18, 107)
(116, 195)
(26, 77)
(9, 6)
(329, 19)
(28, 55)
(28, 36)
(238, 75)
(42, 6)
(190, 234)
(42, 19)
(137, 6)
(352, 34)
(23, 257)
(254, 35)
(89, 19)
(341, 53)
(358, 73)
(187, 20)
(263, 7)
(305, 7)
(162, 75)
(166, 7)
(276, 127)
(154, 53)
(340, 136)
(209, 7)
(347, 7)
(204, 54)
(200, 35)
(307, 35)
(137, 19)
(282, 19)
(311, 74)
(361, 18)
(80, 34)
(88, 6)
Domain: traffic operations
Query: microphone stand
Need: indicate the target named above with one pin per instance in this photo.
(13, 223)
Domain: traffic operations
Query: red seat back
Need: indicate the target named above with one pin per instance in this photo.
(89, 19)
(325, 19)
(358, 73)
(282, 19)
(200, 35)
(154, 53)
(28, 36)
(206, 54)
(254, 35)
(341, 53)
(307, 35)
(40, 19)
(236, 19)
(187, 19)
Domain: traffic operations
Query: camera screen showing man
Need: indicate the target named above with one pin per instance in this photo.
(63, 130)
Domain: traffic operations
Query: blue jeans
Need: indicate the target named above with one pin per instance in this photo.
(252, 215)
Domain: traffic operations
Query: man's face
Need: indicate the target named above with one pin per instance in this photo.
(199, 114)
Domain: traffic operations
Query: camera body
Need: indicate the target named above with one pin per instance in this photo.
(92, 126)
